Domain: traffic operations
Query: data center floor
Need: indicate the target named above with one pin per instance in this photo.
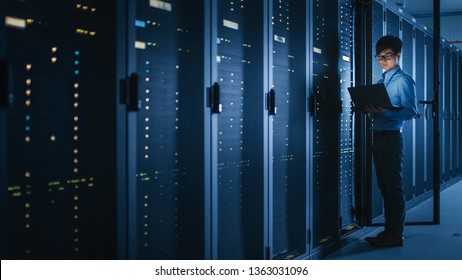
(432, 242)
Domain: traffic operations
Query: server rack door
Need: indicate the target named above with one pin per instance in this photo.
(454, 144)
(420, 136)
(346, 167)
(325, 129)
(166, 203)
(428, 114)
(407, 61)
(60, 144)
(378, 23)
(446, 102)
(240, 130)
(289, 129)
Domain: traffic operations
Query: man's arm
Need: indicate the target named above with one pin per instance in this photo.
(408, 110)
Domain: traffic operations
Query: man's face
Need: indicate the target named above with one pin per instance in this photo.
(388, 59)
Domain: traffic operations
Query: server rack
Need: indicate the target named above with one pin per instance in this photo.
(347, 142)
(60, 149)
(287, 130)
(325, 125)
(166, 202)
(241, 130)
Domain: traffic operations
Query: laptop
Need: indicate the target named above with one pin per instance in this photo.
(375, 95)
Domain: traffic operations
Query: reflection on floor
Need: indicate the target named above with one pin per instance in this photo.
(434, 242)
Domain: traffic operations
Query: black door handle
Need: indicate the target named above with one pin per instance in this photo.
(427, 102)
(272, 109)
(133, 103)
(312, 105)
(129, 92)
(214, 99)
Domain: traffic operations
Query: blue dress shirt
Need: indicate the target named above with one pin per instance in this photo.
(401, 89)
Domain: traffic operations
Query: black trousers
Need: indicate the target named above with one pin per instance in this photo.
(388, 155)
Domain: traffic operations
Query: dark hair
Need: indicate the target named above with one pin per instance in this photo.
(389, 42)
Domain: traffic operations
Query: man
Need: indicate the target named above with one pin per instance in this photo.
(388, 142)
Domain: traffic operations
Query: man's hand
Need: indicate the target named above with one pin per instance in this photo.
(374, 109)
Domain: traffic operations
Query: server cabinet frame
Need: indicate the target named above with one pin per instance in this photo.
(269, 101)
(210, 174)
(309, 124)
(121, 136)
(368, 218)
(428, 113)
(420, 77)
(407, 35)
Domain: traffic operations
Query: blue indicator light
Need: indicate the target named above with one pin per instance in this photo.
(27, 128)
(27, 117)
(140, 23)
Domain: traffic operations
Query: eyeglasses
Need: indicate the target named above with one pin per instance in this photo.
(387, 56)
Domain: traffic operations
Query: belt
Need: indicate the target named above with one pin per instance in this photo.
(385, 132)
